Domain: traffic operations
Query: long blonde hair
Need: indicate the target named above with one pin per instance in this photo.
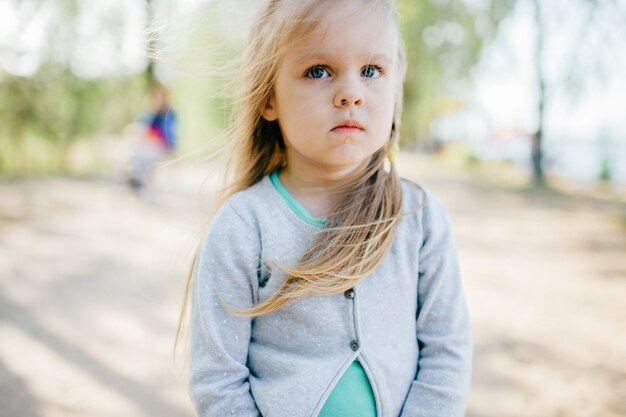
(361, 227)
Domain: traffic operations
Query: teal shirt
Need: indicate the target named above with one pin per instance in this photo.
(353, 395)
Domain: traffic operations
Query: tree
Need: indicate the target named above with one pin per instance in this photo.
(576, 77)
(537, 138)
(53, 106)
(443, 39)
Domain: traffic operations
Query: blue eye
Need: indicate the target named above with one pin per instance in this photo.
(371, 71)
(317, 71)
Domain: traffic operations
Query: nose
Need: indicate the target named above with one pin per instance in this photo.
(348, 95)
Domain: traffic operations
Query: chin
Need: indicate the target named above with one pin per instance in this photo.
(348, 163)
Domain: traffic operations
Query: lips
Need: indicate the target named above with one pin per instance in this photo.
(348, 126)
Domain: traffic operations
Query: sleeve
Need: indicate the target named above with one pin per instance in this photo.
(225, 274)
(443, 325)
(170, 129)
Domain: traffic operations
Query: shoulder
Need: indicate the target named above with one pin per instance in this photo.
(417, 197)
(251, 210)
(423, 204)
(236, 218)
(247, 205)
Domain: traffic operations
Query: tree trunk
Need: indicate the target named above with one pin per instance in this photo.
(537, 138)
(149, 73)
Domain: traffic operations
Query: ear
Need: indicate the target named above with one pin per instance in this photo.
(268, 111)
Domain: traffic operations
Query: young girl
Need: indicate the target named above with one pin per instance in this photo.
(325, 285)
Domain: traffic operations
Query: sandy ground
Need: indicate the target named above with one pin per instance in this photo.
(91, 279)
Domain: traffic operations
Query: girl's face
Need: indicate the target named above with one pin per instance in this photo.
(334, 91)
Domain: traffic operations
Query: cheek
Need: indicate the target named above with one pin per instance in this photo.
(384, 94)
(382, 110)
(300, 111)
(299, 93)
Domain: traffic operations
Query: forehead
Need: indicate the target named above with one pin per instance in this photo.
(341, 28)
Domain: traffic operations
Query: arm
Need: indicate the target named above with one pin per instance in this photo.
(443, 324)
(169, 129)
(225, 274)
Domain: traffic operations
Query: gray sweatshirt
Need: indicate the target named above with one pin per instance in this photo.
(407, 323)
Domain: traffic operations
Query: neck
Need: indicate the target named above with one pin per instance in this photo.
(316, 189)
(312, 181)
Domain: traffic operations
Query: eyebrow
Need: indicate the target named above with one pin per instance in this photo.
(326, 56)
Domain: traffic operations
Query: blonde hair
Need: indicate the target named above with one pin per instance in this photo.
(361, 227)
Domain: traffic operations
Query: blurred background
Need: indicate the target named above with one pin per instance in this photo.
(110, 115)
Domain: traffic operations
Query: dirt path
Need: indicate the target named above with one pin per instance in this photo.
(91, 277)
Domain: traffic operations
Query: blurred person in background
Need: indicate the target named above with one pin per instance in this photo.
(154, 134)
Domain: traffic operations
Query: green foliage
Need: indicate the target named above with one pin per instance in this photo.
(605, 170)
(43, 114)
(52, 108)
(443, 40)
(205, 76)
(471, 160)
